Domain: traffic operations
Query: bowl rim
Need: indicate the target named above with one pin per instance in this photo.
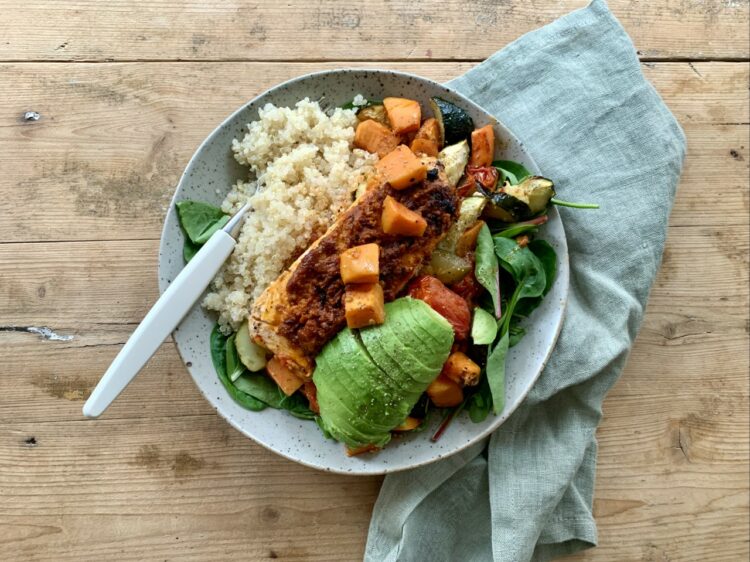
(481, 435)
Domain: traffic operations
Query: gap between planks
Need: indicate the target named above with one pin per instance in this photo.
(642, 59)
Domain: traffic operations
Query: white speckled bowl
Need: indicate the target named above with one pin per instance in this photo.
(208, 177)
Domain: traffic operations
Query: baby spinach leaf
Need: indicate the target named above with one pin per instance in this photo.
(515, 334)
(511, 171)
(523, 265)
(200, 220)
(483, 327)
(218, 343)
(298, 406)
(496, 372)
(548, 258)
(487, 270)
(261, 387)
(189, 250)
(517, 230)
(480, 402)
(235, 368)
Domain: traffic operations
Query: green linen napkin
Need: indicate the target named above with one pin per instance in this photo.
(574, 94)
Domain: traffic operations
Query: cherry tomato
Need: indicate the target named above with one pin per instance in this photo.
(443, 301)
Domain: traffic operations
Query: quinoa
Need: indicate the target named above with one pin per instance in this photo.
(303, 172)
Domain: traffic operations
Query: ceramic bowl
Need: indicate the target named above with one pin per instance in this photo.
(208, 177)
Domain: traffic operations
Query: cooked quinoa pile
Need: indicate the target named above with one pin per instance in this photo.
(303, 171)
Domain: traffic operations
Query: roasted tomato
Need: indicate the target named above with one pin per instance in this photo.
(311, 393)
(468, 288)
(445, 302)
(486, 175)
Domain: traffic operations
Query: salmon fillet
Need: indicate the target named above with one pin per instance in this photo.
(304, 308)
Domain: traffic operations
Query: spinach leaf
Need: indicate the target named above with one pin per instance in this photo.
(235, 368)
(517, 230)
(483, 327)
(523, 265)
(298, 406)
(219, 358)
(548, 257)
(515, 334)
(496, 372)
(200, 220)
(480, 402)
(487, 270)
(261, 387)
(189, 250)
(511, 171)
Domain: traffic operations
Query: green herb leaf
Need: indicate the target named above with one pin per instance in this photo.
(200, 220)
(483, 327)
(511, 171)
(487, 269)
(496, 373)
(218, 343)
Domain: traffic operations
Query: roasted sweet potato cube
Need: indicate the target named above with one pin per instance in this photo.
(430, 130)
(409, 424)
(461, 369)
(404, 115)
(424, 146)
(351, 452)
(375, 137)
(445, 393)
(360, 264)
(401, 168)
(482, 146)
(288, 382)
(399, 219)
(364, 305)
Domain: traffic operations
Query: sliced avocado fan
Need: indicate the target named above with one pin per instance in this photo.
(369, 380)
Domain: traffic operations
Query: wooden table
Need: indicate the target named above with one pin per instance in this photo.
(125, 91)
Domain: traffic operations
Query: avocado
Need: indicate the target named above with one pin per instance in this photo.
(369, 380)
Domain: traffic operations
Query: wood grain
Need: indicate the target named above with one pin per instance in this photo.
(82, 197)
(113, 139)
(291, 31)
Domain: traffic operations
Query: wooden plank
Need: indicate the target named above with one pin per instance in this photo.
(188, 488)
(360, 30)
(114, 138)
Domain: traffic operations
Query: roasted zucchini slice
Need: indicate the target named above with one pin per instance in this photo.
(454, 159)
(455, 123)
(513, 203)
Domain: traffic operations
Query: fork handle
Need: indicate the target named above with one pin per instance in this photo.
(160, 321)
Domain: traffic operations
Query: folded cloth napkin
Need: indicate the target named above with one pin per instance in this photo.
(574, 94)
